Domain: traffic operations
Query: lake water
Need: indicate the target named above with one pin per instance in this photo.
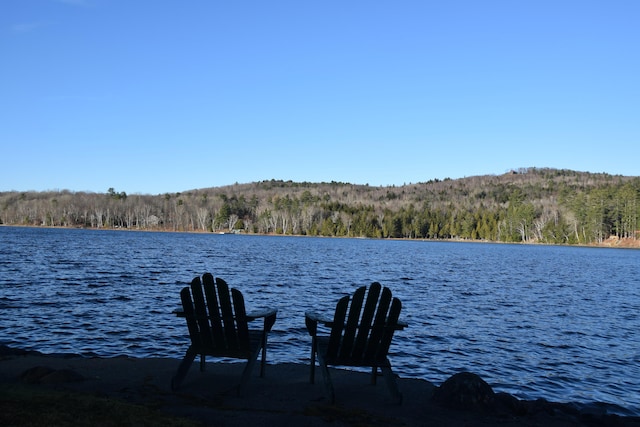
(559, 323)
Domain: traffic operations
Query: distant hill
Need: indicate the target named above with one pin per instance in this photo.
(531, 205)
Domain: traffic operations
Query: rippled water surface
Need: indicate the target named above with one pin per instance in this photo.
(536, 321)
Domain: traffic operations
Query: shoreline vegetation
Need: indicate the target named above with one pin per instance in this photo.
(528, 205)
(68, 390)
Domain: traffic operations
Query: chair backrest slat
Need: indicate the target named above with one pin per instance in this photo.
(351, 327)
(377, 329)
(338, 325)
(226, 311)
(364, 328)
(190, 315)
(242, 326)
(202, 316)
(211, 293)
(390, 327)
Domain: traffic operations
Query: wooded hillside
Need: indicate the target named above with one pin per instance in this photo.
(526, 205)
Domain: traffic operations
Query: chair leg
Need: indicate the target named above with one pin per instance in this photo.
(263, 362)
(246, 373)
(328, 384)
(392, 385)
(314, 347)
(183, 368)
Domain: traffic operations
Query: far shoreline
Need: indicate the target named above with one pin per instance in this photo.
(612, 242)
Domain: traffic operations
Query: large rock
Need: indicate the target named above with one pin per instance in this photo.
(466, 391)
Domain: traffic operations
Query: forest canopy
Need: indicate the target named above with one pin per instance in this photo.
(530, 205)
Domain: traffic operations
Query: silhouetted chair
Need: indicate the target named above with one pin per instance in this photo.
(218, 327)
(361, 338)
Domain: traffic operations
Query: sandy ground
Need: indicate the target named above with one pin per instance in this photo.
(284, 397)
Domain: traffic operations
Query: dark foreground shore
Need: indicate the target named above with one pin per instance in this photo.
(68, 390)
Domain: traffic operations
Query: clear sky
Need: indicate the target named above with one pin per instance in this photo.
(155, 96)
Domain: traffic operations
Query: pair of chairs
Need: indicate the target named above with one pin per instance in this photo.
(360, 334)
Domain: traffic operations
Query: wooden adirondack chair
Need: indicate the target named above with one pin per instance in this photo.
(360, 337)
(218, 327)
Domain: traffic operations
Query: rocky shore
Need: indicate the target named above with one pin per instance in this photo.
(283, 398)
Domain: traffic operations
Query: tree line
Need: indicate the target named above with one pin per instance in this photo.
(531, 205)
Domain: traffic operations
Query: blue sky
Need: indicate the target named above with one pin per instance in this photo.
(151, 96)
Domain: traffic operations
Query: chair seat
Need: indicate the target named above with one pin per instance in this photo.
(255, 341)
(323, 345)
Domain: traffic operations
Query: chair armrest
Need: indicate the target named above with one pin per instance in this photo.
(179, 312)
(269, 316)
(318, 318)
(311, 320)
(263, 313)
(401, 325)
